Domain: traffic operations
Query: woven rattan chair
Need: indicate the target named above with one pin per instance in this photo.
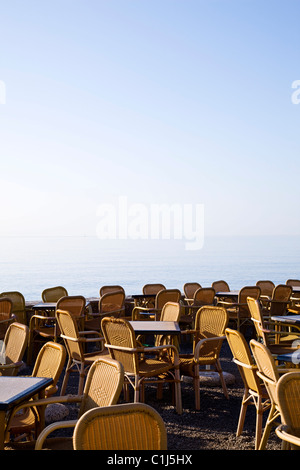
(288, 398)
(53, 294)
(208, 337)
(75, 340)
(134, 426)
(189, 290)
(202, 296)
(238, 312)
(43, 326)
(6, 315)
(107, 289)
(254, 391)
(152, 289)
(18, 305)
(278, 342)
(171, 311)
(13, 348)
(110, 304)
(220, 286)
(279, 302)
(266, 291)
(294, 306)
(268, 372)
(49, 363)
(162, 297)
(138, 366)
(103, 387)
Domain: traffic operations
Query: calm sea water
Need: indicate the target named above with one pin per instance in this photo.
(84, 264)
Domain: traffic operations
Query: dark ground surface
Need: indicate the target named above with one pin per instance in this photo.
(213, 427)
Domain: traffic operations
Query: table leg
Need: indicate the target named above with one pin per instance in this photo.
(2, 429)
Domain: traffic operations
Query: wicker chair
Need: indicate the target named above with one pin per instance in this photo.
(162, 297)
(209, 334)
(220, 286)
(18, 305)
(134, 426)
(152, 289)
(294, 306)
(102, 388)
(139, 368)
(110, 304)
(269, 373)
(288, 397)
(171, 311)
(107, 289)
(49, 363)
(43, 326)
(75, 341)
(13, 349)
(202, 296)
(53, 294)
(254, 391)
(189, 290)
(279, 302)
(278, 342)
(239, 312)
(6, 315)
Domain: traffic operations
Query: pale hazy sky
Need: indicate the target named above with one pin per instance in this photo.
(165, 101)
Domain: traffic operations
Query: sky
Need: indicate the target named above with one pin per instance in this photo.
(156, 101)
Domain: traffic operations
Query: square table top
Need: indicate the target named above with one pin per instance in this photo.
(155, 327)
(44, 306)
(16, 389)
(289, 319)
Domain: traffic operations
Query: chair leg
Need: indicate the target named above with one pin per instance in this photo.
(222, 380)
(81, 379)
(242, 413)
(66, 377)
(178, 397)
(259, 418)
(136, 389)
(267, 429)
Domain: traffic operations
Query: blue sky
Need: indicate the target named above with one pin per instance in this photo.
(169, 101)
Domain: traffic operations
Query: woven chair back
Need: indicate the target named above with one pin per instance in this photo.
(190, 288)
(220, 286)
(74, 304)
(15, 342)
(112, 301)
(130, 426)
(266, 287)
(247, 291)
(53, 294)
(152, 289)
(107, 289)
(243, 359)
(281, 296)
(49, 363)
(118, 332)
(167, 295)
(210, 322)
(204, 296)
(69, 331)
(5, 308)
(267, 369)
(293, 282)
(288, 397)
(103, 384)
(257, 318)
(18, 305)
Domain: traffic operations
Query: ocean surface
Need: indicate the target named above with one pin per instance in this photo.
(84, 264)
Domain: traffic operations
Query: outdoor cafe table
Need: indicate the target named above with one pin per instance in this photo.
(287, 320)
(232, 294)
(155, 327)
(15, 390)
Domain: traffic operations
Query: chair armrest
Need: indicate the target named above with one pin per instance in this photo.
(53, 427)
(282, 431)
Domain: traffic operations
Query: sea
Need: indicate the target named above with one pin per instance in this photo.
(82, 264)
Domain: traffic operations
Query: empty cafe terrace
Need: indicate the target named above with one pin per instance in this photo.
(193, 367)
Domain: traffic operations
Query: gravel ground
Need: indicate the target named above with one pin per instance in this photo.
(213, 427)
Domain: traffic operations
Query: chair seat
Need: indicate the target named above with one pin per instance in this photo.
(187, 363)
(152, 367)
(46, 331)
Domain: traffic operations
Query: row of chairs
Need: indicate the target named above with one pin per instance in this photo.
(261, 363)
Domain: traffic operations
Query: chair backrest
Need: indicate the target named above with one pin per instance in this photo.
(243, 359)
(247, 291)
(152, 289)
(74, 304)
(281, 296)
(167, 295)
(266, 287)
(257, 318)
(204, 296)
(15, 342)
(69, 332)
(49, 363)
(170, 312)
(6, 306)
(220, 286)
(288, 399)
(18, 305)
(108, 289)
(210, 322)
(112, 301)
(129, 426)
(103, 384)
(53, 294)
(293, 282)
(119, 333)
(267, 369)
(190, 288)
